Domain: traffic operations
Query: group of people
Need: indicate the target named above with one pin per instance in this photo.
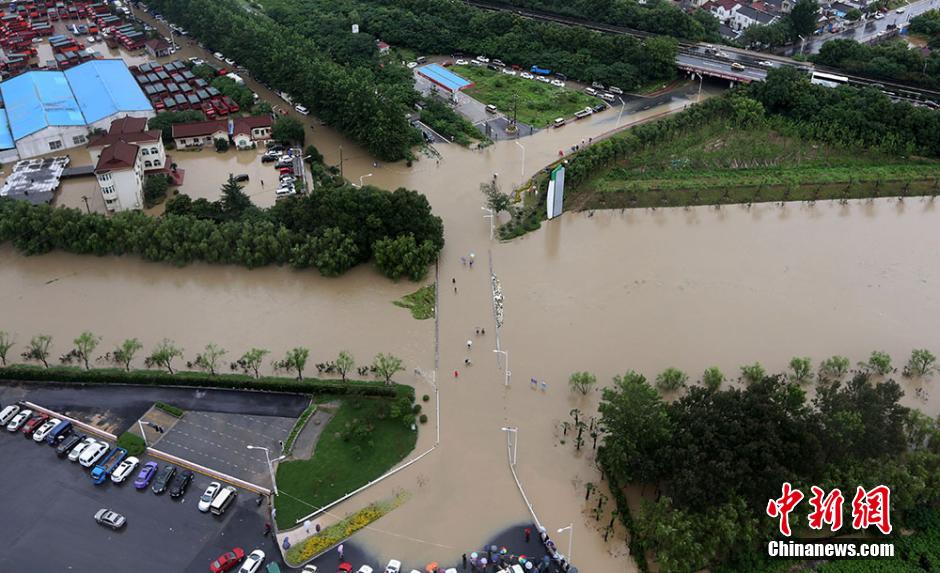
(497, 559)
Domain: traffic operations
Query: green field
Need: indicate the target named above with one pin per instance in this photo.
(420, 302)
(341, 462)
(538, 104)
(716, 164)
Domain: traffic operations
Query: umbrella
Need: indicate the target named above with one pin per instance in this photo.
(474, 555)
(431, 567)
(483, 561)
(503, 551)
(528, 565)
(493, 548)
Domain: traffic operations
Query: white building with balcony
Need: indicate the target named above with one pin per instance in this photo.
(126, 148)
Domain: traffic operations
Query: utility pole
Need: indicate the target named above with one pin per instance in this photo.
(87, 208)
(514, 107)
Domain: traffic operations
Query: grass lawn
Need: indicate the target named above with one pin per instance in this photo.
(420, 302)
(716, 164)
(538, 103)
(336, 467)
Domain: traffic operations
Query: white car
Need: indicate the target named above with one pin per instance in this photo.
(17, 422)
(879, 16)
(301, 110)
(197, 61)
(558, 83)
(40, 434)
(7, 414)
(483, 59)
(206, 500)
(615, 90)
(394, 566)
(92, 454)
(476, 63)
(124, 469)
(900, 10)
(526, 75)
(253, 562)
(412, 65)
(544, 80)
(512, 569)
(765, 63)
(509, 71)
(364, 569)
(229, 61)
(461, 62)
(218, 56)
(80, 447)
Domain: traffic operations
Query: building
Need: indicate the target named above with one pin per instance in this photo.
(745, 17)
(51, 111)
(440, 78)
(122, 157)
(724, 10)
(158, 47)
(778, 6)
(239, 131)
(35, 180)
(383, 47)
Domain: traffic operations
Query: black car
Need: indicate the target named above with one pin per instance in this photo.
(68, 443)
(163, 478)
(562, 77)
(241, 177)
(181, 483)
(268, 158)
(599, 107)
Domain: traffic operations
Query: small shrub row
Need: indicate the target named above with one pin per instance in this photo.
(169, 409)
(133, 443)
(299, 425)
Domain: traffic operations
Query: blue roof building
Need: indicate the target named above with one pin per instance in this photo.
(48, 111)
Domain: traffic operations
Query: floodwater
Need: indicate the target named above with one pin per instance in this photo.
(639, 289)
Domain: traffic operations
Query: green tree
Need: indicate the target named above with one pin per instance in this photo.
(296, 360)
(38, 349)
(209, 359)
(163, 354)
(155, 187)
(251, 361)
(582, 382)
(496, 200)
(288, 130)
(921, 362)
(344, 363)
(712, 378)
(221, 144)
(879, 363)
(753, 373)
(313, 155)
(803, 18)
(636, 427)
(671, 379)
(403, 256)
(801, 369)
(834, 368)
(334, 252)
(234, 201)
(6, 343)
(853, 15)
(386, 366)
(85, 346)
(124, 354)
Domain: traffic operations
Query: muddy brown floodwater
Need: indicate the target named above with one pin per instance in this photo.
(639, 289)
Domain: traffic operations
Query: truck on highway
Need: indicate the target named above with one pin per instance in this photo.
(103, 469)
(540, 71)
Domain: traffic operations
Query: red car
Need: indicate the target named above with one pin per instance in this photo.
(344, 568)
(227, 561)
(33, 424)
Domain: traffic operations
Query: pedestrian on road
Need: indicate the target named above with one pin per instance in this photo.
(528, 533)
(469, 344)
(544, 386)
(467, 362)
(535, 384)
(456, 374)
(340, 551)
(471, 263)
(262, 183)
(483, 332)
(455, 290)
(453, 281)
(478, 331)
(464, 560)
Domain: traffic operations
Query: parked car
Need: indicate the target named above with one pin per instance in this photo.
(559, 121)
(225, 498)
(615, 90)
(483, 59)
(269, 156)
(765, 63)
(499, 63)
(109, 518)
(558, 83)
(68, 443)
(93, 453)
(301, 110)
(145, 475)
(527, 76)
(597, 85)
(461, 62)
(8, 414)
(207, 496)
(124, 469)
(43, 431)
(736, 66)
(253, 562)
(241, 177)
(218, 56)
(344, 567)
(562, 77)
(491, 108)
(412, 65)
(543, 79)
(879, 16)
(590, 91)
(59, 433)
(394, 566)
(900, 10)
(228, 560)
(364, 569)
(81, 447)
(162, 481)
(509, 71)
(229, 61)
(181, 483)
(33, 424)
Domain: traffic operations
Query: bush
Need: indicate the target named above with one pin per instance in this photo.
(169, 409)
(416, 409)
(671, 379)
(425, 398)
(220, 144)
(423, 419)
(133, 443)
(298, 427)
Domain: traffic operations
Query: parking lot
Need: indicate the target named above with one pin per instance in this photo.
(220, 441)
(48, 525)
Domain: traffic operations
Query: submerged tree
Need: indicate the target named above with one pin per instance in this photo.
(712, 378)
(6, 343)
(582, 382)
(801, 368)
(85, 345)
(671, 379)
(38, 349)
(209, 359)
(163, 355)
(251, 361)
(753, 373)
(344, 363)
(921, 362)
(386, 366)
(833, 369)
(878, 363)
(124, 354)
(296, 360)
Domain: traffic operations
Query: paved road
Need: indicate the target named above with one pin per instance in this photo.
(47, 525)
(866, 31)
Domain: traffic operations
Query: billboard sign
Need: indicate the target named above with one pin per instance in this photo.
(556, 192)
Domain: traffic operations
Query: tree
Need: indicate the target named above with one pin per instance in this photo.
(313, 155)
(85, 345)
(403, 256)
(853, 15)
(496, 200)
(155, 187)
(288, 130)
(712, 378)
(671, 379)
(38, 349)
(344, 363)
(296, 360)
(803, 18)
(386, 366)
(163, 354)
(801, 369)
(334, 252)
(209, 359)
(834, 368)
(234, 201)
(251, 361)
(879, 363)
(636, 427)
(582, 382)
(921, 363)
(124, 354)
(221, 144)
(6, 343)
(753, 373)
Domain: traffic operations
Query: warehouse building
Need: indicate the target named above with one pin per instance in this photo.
(50, 111)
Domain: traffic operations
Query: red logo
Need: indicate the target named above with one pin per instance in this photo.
(870, 508)
(782, 506)
(826, 509)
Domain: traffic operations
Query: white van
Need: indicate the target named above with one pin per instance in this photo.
(222, 501)
(607, 97)
(93, 453)
(491, 108)
(7, 414)
(590, 91)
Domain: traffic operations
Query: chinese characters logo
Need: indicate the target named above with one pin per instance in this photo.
(870, 508)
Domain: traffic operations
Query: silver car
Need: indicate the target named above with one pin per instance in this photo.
(81, 447)
(109, 518)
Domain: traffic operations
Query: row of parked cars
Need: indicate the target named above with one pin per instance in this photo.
(284, 163)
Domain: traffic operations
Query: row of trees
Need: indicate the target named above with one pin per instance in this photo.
(210, 360)
(802, 20)
(893, 61)
(715, 457)
(332, 230)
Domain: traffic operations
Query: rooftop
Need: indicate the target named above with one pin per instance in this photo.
(444, 77)
(238, 125)
(119, 155)
(35, 180)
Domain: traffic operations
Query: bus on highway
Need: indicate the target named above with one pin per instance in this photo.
(828, 80)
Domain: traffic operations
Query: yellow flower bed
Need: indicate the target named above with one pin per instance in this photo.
(334, 534)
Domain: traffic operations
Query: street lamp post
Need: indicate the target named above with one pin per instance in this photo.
(802, 43)
(622, 105)
(361, 177)
(506, 369)
(490, 215)
(570, 530)
(522, 147)
(267, 457)
(143, 434)
(698, 98)
(512, 433)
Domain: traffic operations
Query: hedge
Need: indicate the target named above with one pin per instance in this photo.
(298, 426)
(169, 409)
(71, 374)
(133, 443)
